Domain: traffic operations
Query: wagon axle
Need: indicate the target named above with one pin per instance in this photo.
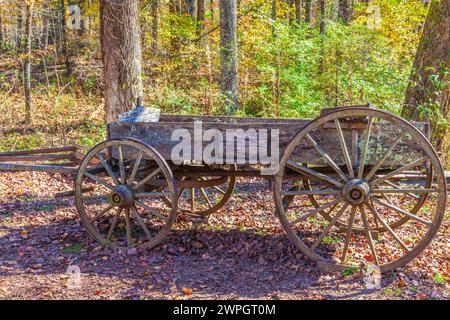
(356, 191)
(122, 196)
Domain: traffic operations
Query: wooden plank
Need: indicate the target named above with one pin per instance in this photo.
(34, 167)
(34, 158)
(39, 151)
(158, 135)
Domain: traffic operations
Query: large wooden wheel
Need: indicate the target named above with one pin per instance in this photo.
(111, 199)
(373, 185)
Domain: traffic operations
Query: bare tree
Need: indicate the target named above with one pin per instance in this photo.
(228, 55)
(298, 10)
(27, 62)
(64, 41)
(19, 28)
(322, 16)
(344, 11)
(308, 10)
(200, 16)
(1, 25)
(45, 24)
(121, 53)
(155, 6)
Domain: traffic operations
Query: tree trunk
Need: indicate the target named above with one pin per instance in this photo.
(290, 4)
(298, 10)
(200, 16)
(155, 24)
(121, 54)
(428, 88)
(308, 13)
(322, 16)
(228, 55)
(19, 28)
(64, 40)
(174, 9)
(273, 16)
(344, 11)
(45, 24)
(27, 62)
(189, 7)
(1, 26)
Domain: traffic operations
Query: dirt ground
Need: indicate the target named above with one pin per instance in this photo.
(241, 254)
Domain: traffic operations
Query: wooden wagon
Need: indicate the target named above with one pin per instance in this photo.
(355, 186)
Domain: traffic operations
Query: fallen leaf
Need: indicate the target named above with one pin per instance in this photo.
(187, 291)
(421, 296)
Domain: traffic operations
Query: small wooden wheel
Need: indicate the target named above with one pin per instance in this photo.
(375, 185)
(202, 196)
(116, 210)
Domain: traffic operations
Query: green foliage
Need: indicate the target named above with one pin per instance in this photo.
(439, 278)
(349, 271)
(286, 69)
(293, 72)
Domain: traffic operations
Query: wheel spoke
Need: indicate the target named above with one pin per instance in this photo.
(95, 196)
(192, 199)
(328, 227)
(108, 168)
(146, 179)
(369, 236)
(220, 190)
(351, 220)
(141, 222)
(388, 228)
(121, 165)
(114, 223)
(398, 187)
(390, 202)
(326, 157)
(345, 153)
(382, 159)
(151, 210)
(397, 209)
(310, 192)
(97, 179)
(206, 197)
(315, 211)
(128, 227)
(135, 168)
(399, 170)
(152, 194)
(101, 213)
(310, 172)
(406, 190)
(365, 147)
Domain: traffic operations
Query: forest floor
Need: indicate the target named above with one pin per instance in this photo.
(241, 254)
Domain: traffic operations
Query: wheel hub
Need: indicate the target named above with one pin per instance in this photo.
(122, 196)
(356, 191)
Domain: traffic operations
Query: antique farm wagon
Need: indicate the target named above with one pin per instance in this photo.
(357, 185)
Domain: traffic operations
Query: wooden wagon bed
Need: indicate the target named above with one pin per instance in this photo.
(159, 135)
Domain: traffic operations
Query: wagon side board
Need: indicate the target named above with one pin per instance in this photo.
(160, 135)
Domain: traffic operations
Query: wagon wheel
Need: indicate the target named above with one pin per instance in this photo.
(365, 196)
(116, 210)
(416, 201)
(202, 196)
